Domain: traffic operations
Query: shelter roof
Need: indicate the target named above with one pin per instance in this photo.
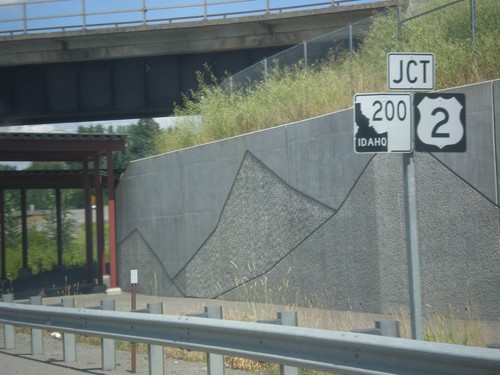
(57, 146)
(62, 147)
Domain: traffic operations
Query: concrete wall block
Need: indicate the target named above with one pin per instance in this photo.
(293, 215)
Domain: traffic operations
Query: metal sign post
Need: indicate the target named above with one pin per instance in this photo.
(413, 259)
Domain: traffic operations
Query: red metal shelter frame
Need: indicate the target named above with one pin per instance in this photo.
(85, 148)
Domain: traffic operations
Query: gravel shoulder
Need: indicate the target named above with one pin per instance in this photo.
(19, 361)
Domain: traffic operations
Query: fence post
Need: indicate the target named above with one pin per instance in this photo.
(305, 54)
(9, 333)
(108, 347)
(473, 27)
(156, 361)
(69, 339)
(351, 53)
(400, 33)
(36, 334)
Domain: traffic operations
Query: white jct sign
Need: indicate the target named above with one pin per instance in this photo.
(410, 71)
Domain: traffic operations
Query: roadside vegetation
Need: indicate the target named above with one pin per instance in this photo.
(297, 93)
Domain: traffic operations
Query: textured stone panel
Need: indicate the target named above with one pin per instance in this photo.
(262, 221)
(336, 267)
(458, 240)
(135, 253)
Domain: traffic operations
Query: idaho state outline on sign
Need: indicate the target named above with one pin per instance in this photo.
(365, 131)
(439, 122)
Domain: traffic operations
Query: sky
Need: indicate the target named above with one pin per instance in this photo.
(53, 14)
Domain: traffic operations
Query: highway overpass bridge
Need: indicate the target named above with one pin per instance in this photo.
(140, 71)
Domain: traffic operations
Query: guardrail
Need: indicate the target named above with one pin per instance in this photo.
(330, 351)
(21, 17)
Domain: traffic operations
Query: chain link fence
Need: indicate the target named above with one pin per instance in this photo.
(334, 44)
(343, 42)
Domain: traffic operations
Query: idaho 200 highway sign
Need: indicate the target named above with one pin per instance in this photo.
(440, 122)
(382, 123)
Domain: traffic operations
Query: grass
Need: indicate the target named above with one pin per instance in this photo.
(297, 93)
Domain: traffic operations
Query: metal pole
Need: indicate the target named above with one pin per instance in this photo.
(351, 53)
(474, 28)
(305, 54)
(84, 20)
(412, 246)
(144, 11)
(25, 16)
(400, 36)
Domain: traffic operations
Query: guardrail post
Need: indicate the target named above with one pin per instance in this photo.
(156, 361)
(215, 362)
(387, 328)
(288, 318)
(108, 347)
(285, 318)
(9, 333)
(36, 334)
(69, 339)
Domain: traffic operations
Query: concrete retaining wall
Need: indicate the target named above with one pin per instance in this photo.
(293, 215)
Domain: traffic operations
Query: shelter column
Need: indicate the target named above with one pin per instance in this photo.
(101, 256)
(59, 229)
(88, 220)
(111, 220)
(3, 270)
(24, 272)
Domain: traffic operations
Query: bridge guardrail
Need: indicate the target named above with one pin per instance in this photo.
(21, 17)
(321, 350)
